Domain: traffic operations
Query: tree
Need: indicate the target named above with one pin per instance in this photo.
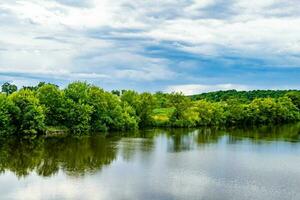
(78, 91)
(182, 109)
(9, 88)
(122, 115)
(144, 108)
(31, 119)
(235, 112)
(286, 110)
(161, 99)
(180, 103)
(209, 113)
(131, 97)
(100, 117)
(8, 112)
(53, 99)
(295, 97)
(78, 117)
(116, 92)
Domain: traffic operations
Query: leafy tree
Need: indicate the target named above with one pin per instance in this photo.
(286, 111)
(78, 91)
(53, 100)
(235, 111)
(78, 117)
(116, 92)
(8, 112)
(101, 114)
(181, 105)
(123, 115)
(31, 117)
(242, 96)
(9, 88)
(84, 108)
(295, 97)
(144, 108)
(131, 97)
(161, 99)
(209, 113)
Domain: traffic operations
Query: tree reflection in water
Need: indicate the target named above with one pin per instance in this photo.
(78, 156)
(75, 156)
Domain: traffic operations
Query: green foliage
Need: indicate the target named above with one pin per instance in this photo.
(268, 110)
(53, 100)
(116, 92)
(235, 112)
(84, 108)
(8, 112)
(162, 116)
(30, 119)
(295, 97)
(181, 117)
(209, 114)
(9, 88)
(108, 113)
(161, 99)
(144, 109)
(78, 117)
(242, 96)
(35, 88)
(77, 91)
(143, 105)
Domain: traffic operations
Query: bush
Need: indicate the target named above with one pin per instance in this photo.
(31, 118)
(8, 112)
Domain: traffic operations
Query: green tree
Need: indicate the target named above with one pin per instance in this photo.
(9, 88)
(31, 117)
(286, 111)
(180, 103)
(144, 108)
(116, 92)
(101, 116)
(78, 117)
(295, 97)
(53, 100)
(182, 106)
(8, 112)
(209, 113)
(78, 91)
(235, 112)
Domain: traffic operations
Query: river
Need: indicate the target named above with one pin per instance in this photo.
(209, 164)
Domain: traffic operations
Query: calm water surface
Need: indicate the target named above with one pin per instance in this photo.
(262, 163)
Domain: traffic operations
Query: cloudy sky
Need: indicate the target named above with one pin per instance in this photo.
(152, 45)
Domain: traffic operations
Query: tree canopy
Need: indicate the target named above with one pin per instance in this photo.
(83, 108)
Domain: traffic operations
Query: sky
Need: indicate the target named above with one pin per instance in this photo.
(191, 46)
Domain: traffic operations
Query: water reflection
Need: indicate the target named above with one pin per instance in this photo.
(46, 156)
(87, 155)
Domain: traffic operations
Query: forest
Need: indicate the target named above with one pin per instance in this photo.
(82, 108)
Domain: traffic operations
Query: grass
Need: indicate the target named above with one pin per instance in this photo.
(161, 116)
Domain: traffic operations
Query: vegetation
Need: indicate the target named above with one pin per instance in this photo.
(245, 96)
(82, 108)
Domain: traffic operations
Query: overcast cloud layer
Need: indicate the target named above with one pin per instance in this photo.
(149, 45)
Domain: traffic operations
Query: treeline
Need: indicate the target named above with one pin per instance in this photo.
(83, 108)
(244, 96)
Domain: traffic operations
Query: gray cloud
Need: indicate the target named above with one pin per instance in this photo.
(144, 41)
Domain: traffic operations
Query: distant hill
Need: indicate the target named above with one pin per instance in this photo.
(241, 95)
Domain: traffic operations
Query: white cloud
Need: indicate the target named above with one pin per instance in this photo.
(104, 38)
(190, 89)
